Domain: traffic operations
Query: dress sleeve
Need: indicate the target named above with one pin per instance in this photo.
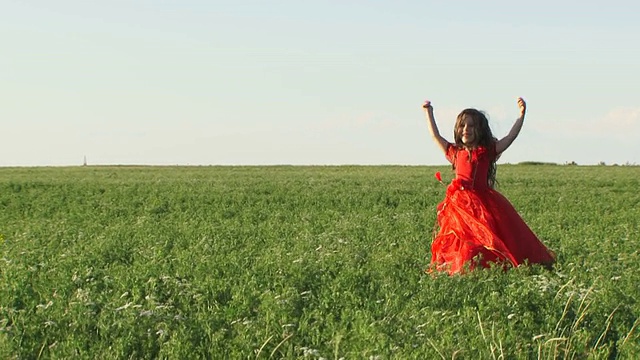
(451, 152)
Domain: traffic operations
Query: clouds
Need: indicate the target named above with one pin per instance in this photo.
(366, 120)
(219, 82)
(621, 120)
(617, 123)
(609, 136)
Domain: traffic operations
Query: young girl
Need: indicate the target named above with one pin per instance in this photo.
(477, 225)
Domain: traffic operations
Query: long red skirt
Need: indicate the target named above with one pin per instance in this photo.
(480, 227)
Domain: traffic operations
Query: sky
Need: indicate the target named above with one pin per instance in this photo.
(249, 82)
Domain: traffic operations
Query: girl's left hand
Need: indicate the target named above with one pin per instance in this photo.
(522, 105)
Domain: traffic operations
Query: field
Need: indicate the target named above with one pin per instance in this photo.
(307, 262)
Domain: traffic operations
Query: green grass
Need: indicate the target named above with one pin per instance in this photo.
(306, 262)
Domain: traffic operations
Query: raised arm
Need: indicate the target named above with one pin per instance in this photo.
(433, 128)
(506, 141)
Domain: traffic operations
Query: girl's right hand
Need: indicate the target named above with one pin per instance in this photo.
(427, 105)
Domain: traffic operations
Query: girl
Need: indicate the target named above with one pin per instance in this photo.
(477, 225)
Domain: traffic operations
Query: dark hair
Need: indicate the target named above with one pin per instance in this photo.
(482, 137)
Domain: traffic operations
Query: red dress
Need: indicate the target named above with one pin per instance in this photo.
(477, 225)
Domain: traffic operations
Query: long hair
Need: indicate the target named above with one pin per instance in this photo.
(482, 137)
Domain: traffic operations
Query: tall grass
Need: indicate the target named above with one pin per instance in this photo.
(306, 262)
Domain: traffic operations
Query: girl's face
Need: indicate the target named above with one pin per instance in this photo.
(467, 131)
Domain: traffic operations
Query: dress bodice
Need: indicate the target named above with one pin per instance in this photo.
(472, 167)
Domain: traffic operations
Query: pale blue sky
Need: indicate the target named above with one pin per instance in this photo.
(312, 82)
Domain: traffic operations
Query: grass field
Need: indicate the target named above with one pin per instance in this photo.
(307, 262)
